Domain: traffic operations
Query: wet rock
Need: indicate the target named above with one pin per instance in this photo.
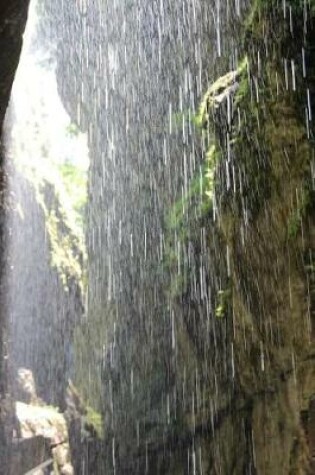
(12, 22)
(85, 433)
(27, 454)
(222, 90)
(25, 387)
(47, 422)
(67, 470)
(46, 265)
(41, 420)
(61, 454)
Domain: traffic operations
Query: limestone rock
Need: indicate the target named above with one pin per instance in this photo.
(67, 470)
(61, 454)
(25, 388)
(46, 421)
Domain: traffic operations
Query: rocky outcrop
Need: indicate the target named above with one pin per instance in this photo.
(36, 419)
(25, 390)
(12, 23)
(40, 432)
(71, 441)
(263, 195)
(46, 421)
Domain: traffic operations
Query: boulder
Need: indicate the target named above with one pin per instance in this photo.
(48, 422)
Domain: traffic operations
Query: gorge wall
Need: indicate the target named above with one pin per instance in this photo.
(41, 262)
(198, 346)
(45, 286)
(12, 23)
(200, 230)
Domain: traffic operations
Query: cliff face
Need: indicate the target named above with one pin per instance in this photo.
(263, 188)
(198, 345)
(12, 23)
(141, 71)
(45, 286)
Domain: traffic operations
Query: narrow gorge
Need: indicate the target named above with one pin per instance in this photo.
(157, 237)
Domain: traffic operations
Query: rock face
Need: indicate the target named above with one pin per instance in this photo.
(264, 196)
(26, 389)
(49, 423)
(199, 330)
(12, 23)
(137, 100)
(45, 295)
(37, 421)
(41, 420)
(13, 16)
(198, 347)
(85, 434)
(44, 276)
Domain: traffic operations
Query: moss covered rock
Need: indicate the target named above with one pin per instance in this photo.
(261, 118)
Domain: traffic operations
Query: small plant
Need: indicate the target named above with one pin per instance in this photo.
(94, 419)
(72, 129)
(223, 299)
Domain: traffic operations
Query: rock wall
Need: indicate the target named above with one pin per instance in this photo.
(263, 193)
(12, 23)
(199, 342)
(45, 296)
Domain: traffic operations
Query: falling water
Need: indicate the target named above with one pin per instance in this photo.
(150, 294)
(43, 145)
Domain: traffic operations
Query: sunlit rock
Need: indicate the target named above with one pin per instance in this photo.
(48, 422)
(25, 387)
(67, 469)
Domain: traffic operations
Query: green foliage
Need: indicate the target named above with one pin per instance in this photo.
(63, 253)
(75, 183)
(95, 420)
(185, 219)
(223, 301)
(215, 94)
(198, 198)
(73, 130)
(61, 192)
(243, 89)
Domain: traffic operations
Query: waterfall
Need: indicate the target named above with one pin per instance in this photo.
(160, 278)
(46, 238)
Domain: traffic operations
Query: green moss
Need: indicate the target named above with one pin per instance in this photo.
(185, 219)
(64, 232)
(223, 302)
(73, 129)
(94, 419)
(63, 254)
(75, 184)
(217, 91)
(243, 89)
